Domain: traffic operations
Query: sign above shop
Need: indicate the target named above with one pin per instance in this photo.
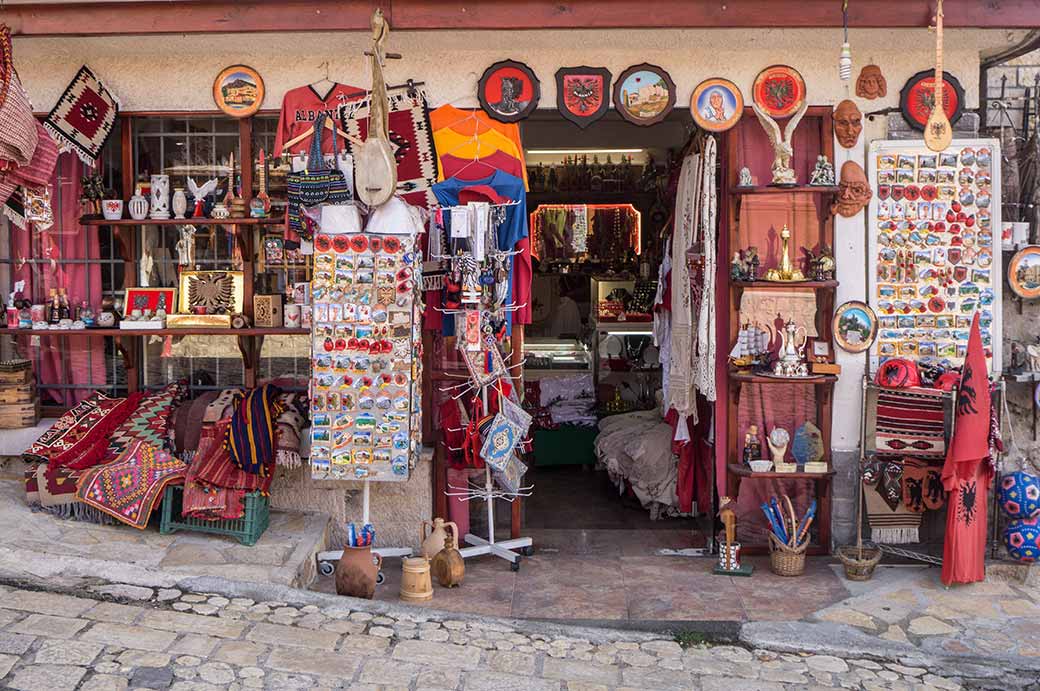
(644, 94)
(508, 91)
(716, 105)
(582, 93)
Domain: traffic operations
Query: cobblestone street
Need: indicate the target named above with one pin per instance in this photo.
(117, 637)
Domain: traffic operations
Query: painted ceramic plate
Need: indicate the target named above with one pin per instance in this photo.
(508, 91)
(716, 105)
(779, 90)
(238, 91)
(855, 326)
(644, 94)
(1024, 272)
(918, 96)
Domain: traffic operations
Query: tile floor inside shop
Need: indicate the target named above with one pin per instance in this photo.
(596, 559)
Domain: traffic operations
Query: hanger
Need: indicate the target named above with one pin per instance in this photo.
(310, 132)
(324, 80)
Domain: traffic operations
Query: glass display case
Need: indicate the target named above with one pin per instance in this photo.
(555, 354)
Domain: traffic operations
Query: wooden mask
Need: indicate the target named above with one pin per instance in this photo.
(848, 123)
(853, 191)
(871, 83)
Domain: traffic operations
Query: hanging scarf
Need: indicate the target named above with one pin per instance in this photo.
(682, 395)
(251, 435)
(704, 355)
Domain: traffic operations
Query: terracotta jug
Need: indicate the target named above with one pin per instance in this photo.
(448, 567)
(434, 541)
(356, 572)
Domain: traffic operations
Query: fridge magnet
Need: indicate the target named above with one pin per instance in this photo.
(644, 94)
(1024, 273)
(716, 105)
(238, 91)
(581, 94)
(508, 91)
(779, 90)
(918, 96)
(855, 326)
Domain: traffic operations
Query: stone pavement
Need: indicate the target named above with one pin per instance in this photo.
(38, 545)
(159, 639)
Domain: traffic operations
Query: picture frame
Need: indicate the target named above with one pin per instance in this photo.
(149, 299)
(716, 104)
(917, 97)
(855, 326)
(779, 90)
(644, 94)
(583, 93)
(509, 91)
(238, 91)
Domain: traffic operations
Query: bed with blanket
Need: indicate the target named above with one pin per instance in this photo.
(636, 451)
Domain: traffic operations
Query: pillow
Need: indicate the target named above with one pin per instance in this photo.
(148, 423)
(79, 437)
(132, 485)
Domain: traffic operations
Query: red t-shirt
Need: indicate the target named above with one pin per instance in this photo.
(302, 105)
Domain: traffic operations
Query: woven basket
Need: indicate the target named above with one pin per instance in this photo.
(785, 560)
(859, 562)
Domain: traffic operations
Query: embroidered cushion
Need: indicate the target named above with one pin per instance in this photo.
(129, 487)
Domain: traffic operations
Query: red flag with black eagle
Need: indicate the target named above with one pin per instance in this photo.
(967, 472)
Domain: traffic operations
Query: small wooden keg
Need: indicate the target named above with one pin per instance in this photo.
(416, 585)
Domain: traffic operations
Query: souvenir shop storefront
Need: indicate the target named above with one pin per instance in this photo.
(627, 278)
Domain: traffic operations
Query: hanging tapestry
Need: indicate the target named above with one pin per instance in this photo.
(888, 525)
(18, 133)
(886, 475)
(129, 487)
(6, 65)
(84, 116)
(149, 423)
(14, 207)
(40, 170)
(910, 421)
(411, 137)
(922, 486)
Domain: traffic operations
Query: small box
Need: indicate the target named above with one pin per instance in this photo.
(267, 311)
(826, 368)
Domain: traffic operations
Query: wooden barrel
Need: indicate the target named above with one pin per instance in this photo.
(416, 585)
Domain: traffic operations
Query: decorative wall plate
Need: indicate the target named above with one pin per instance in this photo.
(779, 90)
(582, 94)
(716, 105)
(644, 94)
(918, 95)
(1024, 273)
(238, 91)
(508, 91)
(855, 326)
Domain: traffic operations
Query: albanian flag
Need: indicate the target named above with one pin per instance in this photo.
(967, 473)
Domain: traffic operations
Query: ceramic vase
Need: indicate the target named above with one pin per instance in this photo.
(160, 197)
(356, 572)
(112, 209)
(138, 207)
(180, 202)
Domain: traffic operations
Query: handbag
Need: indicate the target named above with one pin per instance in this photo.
(315, 184)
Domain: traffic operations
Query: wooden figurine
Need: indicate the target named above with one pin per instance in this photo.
(729, 552)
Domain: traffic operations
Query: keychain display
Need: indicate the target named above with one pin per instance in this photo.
(366, 357)
(932, 224)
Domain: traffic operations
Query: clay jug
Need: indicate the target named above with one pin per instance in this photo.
(434, 541)
(448, 567)
(356, 572)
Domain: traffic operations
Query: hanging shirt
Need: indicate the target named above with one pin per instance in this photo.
(469, 169)
(476, 122)
(472, 146)
(302, 105)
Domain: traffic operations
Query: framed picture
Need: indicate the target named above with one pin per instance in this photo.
(1024, 273)
(238, 91)
(821, 349)
(582, 94)
(508, 91)
(149, 299)
(716, 105)
(779, 90)
(644, 94)
(917, 98)
(855, 326)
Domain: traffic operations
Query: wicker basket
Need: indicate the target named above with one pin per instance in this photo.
(785, 560)
(859, 562)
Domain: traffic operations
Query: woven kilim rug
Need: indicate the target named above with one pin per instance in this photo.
(149, 423)
(130, 487)
(83, 117)
(910, 422)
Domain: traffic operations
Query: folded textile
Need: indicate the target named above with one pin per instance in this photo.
(186, 423)
(148, 422)
(201, 499)
(911, 421)
(57, 491)
(39, 171)
(217, 468)
(79, 438)
(131, 486)
(32, 485)
(18, 133)
(289, 424)
(251, 435)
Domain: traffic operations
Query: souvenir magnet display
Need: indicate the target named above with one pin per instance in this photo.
(238, 91)
(508, 91)
(855, 326)
(918, 96)
(644, 94)
(582, 94)
(716, 105)
(1024, 273)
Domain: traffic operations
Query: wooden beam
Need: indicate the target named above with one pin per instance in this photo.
(218, 16)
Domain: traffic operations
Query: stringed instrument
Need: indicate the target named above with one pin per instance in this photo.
(260, 205)
(375, 167)
(938, 133)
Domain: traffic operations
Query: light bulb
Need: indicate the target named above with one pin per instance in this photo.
(845, 62)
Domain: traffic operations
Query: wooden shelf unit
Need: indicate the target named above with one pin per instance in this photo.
(818, 123)
(97, 221)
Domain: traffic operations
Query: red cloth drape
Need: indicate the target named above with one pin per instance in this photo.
(967, 473)
(67, 361)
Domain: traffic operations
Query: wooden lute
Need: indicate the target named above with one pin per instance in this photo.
(375, 167)
(938, 133)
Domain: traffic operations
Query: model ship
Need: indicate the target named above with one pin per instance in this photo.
(752, 347)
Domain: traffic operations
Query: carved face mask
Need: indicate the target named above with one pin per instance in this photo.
(871, 83)
(848, 123)
(853, 191)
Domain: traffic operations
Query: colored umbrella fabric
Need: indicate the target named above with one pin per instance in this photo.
(967, 473)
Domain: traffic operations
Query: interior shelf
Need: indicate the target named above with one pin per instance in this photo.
(770, 189)
(193, 331)
(184, 221)
(752, 378)
(820, 285)
(740, 470)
